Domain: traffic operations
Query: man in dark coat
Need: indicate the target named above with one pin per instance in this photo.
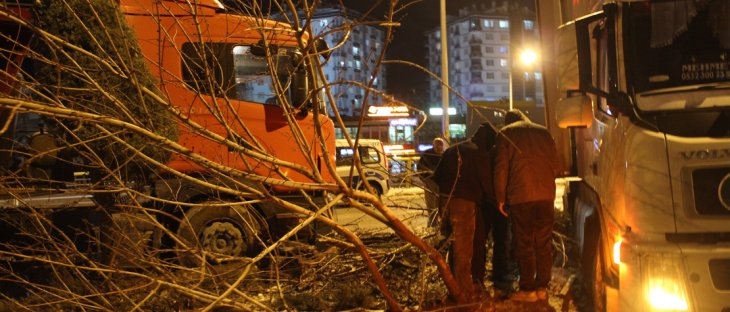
(525, 168)
(464, 178)
(426, 165)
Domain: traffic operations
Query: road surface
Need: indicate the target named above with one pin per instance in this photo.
(406, 203)
(409, 205)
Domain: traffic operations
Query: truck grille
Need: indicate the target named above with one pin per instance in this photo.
(711, 188)
(720, 273)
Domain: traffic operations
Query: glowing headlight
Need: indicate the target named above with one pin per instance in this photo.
(665, 287)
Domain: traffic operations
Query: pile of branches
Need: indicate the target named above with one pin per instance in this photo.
(119, 243)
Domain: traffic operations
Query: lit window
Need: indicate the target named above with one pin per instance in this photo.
(529, 24)
(502, 62)
(538, 76)
(357, 64)
(349, 63)
(503, 24)
(488, 23)
(503, 49)
(355, 50)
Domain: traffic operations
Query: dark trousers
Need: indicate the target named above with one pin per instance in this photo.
(504, 268)
(532, 227)
(467, 257)
(479, 262)
(431, 196)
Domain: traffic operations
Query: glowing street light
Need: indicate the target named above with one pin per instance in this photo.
(527, 57)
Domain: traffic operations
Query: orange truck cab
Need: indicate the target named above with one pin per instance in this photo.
(212, 67)
(175, 37)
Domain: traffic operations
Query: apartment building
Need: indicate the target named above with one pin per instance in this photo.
(353, 63)
(483, 40)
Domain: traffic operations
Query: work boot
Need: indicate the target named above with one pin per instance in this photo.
(542, 294)
(524, 296)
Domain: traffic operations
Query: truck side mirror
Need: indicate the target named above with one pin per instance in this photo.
(260, 49)
(575, 111)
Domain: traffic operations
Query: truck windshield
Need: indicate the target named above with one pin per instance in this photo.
(677, 54)
(253, 82)
(233, 70)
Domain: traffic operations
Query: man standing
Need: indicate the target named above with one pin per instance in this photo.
(426, 165)
(526, 165)
(504, 269)
(464, 179)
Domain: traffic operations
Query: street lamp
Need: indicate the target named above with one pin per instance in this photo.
(527, 58)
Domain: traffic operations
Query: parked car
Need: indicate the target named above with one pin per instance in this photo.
(372, 159)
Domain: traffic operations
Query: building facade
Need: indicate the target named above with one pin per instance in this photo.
(352, 65)
(483, 41)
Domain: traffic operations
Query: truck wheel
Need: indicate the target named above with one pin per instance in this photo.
(220, 234)
(598, 290)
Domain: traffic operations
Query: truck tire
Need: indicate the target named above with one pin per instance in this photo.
(223, 235)
(376, 187)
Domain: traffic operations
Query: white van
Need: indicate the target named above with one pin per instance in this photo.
(372, 159)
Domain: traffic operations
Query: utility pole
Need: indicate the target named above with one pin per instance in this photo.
(444, 75)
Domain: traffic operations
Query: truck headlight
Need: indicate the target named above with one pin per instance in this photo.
(665, 288)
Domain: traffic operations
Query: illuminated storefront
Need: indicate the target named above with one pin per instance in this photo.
(392, 124)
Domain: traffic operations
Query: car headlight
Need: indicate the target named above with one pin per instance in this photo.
(665, 289)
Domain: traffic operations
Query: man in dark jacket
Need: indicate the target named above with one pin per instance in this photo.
(526, 165)
(426, 165)
(464, 179)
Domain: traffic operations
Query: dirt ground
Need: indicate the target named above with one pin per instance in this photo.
(328, 278)
(337, 281)
(296, 277)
